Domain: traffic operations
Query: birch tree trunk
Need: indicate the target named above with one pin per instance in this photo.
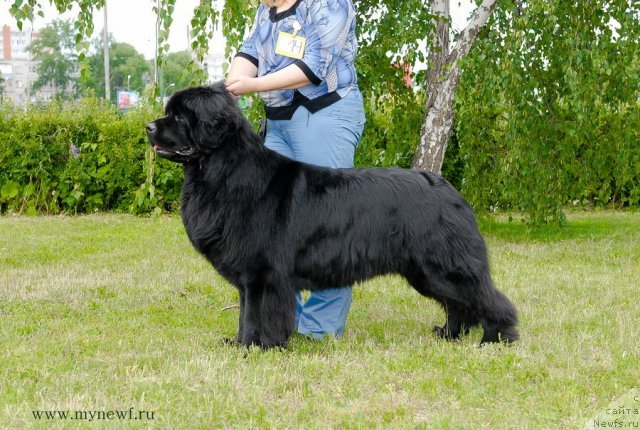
(442, 79)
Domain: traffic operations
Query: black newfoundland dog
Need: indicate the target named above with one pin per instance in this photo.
(272, 225)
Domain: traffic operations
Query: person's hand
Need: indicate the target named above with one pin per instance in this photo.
(241, 85)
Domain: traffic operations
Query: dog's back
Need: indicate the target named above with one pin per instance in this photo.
(375, 221)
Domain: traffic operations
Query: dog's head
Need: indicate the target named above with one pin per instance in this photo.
(198, 120)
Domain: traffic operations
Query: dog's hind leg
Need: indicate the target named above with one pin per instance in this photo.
(469, 299)
(485, 303)
(459, 321)
(459, 317)
(499, 319)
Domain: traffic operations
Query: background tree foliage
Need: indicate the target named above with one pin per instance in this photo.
(2, 80)
(124, 61)
(548, 108)
(176, 71)
(390, 34)
(130, 70)
(54, 50)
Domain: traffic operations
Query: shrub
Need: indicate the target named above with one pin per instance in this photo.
(83, 156)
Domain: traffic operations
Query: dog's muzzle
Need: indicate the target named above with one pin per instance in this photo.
(182, 155)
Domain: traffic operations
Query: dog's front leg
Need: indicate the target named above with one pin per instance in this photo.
(277, 313)
(238, 339)
(268, 314)
(249, 327)
(241, 318)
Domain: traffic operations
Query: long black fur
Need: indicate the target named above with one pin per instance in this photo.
(272, 225)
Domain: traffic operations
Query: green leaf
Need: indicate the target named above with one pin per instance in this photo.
(28, 190)
(9, 190)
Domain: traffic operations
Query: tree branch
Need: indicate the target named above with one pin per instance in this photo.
(520, 6)
(439, 51)
(476, 23)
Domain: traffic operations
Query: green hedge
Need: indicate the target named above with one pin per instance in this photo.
(84, 156)
(79, 157)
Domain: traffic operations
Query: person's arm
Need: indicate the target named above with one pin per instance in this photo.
(242, 66)
(289, 78)
(245, 62)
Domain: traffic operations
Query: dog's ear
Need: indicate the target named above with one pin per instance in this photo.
(212, 112)
(217, 118)
(212, 132)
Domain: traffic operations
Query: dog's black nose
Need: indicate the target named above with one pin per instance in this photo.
(151, 127)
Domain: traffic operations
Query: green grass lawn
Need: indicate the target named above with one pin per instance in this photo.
(106, 313)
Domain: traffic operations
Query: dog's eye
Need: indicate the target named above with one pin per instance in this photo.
(178, 118)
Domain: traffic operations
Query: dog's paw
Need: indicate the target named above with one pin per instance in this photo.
(230, 341)
(445, 333)
(440, 332)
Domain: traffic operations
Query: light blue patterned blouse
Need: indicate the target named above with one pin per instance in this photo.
(328, 59)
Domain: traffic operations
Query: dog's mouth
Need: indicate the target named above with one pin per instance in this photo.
(179, 155)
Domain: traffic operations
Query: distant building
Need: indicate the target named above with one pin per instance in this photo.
(18, 70)
(214, 61)
(213, 66)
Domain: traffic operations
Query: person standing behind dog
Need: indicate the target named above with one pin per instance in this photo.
(299, 56)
